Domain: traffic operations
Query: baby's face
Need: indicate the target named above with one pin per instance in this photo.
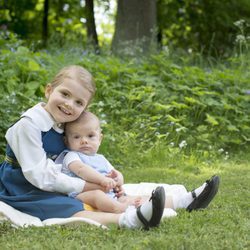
(84, 137)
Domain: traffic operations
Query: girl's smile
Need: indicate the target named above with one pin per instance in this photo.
(64, 108)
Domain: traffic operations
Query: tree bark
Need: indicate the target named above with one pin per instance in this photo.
(90, 23)
(135, 25)
(45, 31)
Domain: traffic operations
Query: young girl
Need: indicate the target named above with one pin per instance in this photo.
(83, 138)
(31, 182)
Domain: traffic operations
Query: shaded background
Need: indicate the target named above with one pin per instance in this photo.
(209, 27)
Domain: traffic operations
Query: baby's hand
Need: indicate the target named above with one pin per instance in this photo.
(108, 183)
(119, 191)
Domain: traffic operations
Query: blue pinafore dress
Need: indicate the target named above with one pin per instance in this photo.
(17, 192)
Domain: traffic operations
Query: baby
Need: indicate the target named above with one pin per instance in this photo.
(104, 192)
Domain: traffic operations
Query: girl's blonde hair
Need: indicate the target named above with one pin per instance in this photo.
(76, 73)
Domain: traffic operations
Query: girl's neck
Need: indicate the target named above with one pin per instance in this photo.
(59, 125)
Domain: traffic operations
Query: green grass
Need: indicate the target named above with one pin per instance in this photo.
(224, 225)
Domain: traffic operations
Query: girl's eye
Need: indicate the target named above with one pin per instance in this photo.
(65, 94)
(76, 137)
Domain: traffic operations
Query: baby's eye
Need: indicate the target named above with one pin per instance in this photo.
(79, 103)
(76, 137)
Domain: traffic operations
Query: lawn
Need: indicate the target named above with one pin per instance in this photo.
(223, 225)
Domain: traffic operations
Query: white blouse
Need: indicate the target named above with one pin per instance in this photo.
(25, 139)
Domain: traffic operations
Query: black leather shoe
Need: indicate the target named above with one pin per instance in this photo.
(158, 205)
(206, 196)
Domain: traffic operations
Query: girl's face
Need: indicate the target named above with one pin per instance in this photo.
(67, 100)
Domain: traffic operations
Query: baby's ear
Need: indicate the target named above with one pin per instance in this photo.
(101, 137)
(64, 139)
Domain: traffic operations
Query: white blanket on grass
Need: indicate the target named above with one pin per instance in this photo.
(19, 219)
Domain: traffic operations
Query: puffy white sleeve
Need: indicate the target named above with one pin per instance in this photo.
(25, 140)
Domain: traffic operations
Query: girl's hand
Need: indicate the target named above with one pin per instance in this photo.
(119, 191)
(117, 176)
(112, 174)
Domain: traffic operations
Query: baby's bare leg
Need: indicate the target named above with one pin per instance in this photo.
(139, 200)
(131, 200)
(99, 200)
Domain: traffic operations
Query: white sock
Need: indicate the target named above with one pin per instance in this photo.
(168, 212)
(184, 200)
(200, 189)
(147, 210)
(129, 218)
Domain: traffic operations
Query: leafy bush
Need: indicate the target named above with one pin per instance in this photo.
(155, 101)
(141, 102)
(204, 26)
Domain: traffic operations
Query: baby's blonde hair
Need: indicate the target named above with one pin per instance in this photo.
(76, 73)
(84, 117)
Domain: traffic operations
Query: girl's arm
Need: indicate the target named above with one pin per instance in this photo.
(25, 140)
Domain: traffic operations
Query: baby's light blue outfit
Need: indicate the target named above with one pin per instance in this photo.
(96, 161)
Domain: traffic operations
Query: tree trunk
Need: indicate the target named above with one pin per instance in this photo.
(45, 22)
(91, 27)
(135, 26)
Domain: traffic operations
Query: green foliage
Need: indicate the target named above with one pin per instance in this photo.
(141, 102)
(157, 101)
(203, 26)
(19, 16)
(25, 18)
